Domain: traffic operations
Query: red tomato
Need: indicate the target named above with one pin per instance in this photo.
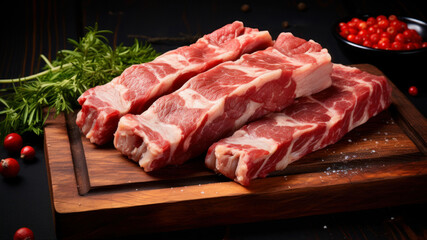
(409, 46)
(383, 24)
(375, 37)
(351, 24)
(381, 17)
(351, 38)
(358, 39)
(396, 46)
(385, 35)
(372, 29)
(383, 45)
(401, 26)
(407, 34)
(392, 18)
(362, 25)
(353, 31)
(399, 38)
(371, 21)
(363, 33)
(381, 32)
(355, 20)
(413, 91)
(392, 31)
(367, 43)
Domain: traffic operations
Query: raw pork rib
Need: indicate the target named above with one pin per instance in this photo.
(139, 85)
(211, 105)
(307, 125)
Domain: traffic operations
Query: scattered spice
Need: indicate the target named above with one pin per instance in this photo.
(285, 24)
(245, 8)
(301, 6)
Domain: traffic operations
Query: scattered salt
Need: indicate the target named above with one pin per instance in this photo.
(376, 142)
(346, 157)
(365, 139)
(325, 227)
(386, 139)
(202, 192)
(394, 139)
(392, 218)
(386, 133)
(349, 140)
(182, 190)
(373, 151)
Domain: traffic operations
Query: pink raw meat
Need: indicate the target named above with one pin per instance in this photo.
(139, 85)
(182, 125)
(309, 124)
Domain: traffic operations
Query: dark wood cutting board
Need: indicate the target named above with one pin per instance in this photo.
(97, 192)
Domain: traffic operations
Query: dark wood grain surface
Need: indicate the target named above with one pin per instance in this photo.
(30, 28)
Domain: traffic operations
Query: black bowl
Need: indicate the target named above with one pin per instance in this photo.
(380, 54)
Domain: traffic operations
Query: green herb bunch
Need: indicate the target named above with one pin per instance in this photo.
(92, 62)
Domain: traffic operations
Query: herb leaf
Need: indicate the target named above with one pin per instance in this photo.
(92, 62)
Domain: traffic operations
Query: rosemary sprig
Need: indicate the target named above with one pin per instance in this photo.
(92, 62)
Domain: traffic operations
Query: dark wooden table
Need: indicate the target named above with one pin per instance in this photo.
(31, 28)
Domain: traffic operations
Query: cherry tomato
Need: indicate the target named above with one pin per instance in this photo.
(392, 31)
(351, 38)
(381, 32)
(409, 46)
(383, 24)
(351, 24)
(392, 17)
(358, 39)
(362, 25)
(9, 167)
(384, 45)
(399, 38)
(397, 46)
(371, 21)
(23, 233)
(367, 43)
(372, 29)
(407, 34)
(375, 37)
(381, 17)
(28, 153)
(12, 142)
(352, 31)
(413, 91)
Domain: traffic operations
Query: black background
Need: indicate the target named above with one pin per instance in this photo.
(31, 28)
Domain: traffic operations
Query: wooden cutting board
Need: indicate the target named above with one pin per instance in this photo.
(97, 192)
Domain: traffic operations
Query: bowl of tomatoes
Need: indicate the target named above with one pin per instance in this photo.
(382, 36)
